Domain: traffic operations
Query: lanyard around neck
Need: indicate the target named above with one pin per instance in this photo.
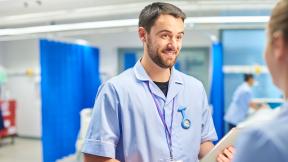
(168, 131)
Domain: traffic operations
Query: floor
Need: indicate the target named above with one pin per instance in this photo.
(23, 150)
(27, 150)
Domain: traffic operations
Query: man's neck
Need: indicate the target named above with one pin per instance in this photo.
(155, 72)
(249, 84)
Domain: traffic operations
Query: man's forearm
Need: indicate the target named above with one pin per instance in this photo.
(205, 147)
(94, 158)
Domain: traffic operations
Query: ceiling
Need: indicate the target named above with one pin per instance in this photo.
(24, 13)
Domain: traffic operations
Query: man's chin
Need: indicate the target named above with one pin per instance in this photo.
(168, 65)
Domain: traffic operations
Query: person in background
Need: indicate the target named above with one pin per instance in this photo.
(268, 142)
(152, 112)
(241, 102)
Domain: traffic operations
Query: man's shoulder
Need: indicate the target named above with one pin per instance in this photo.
(188, 79)
(124, 78)
(245, 88)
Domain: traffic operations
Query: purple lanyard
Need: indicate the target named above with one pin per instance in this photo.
(162, 116)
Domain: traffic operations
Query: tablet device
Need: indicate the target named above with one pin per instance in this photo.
(228, 140)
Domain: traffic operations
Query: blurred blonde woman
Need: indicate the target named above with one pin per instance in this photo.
(269, 142)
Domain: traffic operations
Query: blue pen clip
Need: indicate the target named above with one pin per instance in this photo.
(185, 121)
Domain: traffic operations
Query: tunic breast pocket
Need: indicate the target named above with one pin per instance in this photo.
(188, 122)
(187, 136)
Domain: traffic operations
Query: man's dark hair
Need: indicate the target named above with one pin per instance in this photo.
(248, 77)
(150, 13)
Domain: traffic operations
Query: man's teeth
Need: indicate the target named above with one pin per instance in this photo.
(170, 52)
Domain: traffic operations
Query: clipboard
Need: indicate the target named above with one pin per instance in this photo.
(228, 140)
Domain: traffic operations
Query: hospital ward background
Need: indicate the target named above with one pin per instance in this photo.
(54, 55)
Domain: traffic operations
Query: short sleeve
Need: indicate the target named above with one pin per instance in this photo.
(255, 145)
(208, 132)
(104, 130)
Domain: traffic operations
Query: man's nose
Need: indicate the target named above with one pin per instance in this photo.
(172, 43)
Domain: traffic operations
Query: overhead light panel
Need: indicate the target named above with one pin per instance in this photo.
(69, 27)
(128, 23)
(227, 19)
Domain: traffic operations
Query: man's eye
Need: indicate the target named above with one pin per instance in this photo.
(165, 36)
(179, 37)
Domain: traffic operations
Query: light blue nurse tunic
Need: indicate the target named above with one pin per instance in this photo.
(126, 125)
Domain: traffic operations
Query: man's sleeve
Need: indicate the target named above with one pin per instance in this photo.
(256, 146)
(103, 132)
(208, 132)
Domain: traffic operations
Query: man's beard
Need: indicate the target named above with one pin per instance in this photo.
(157, 59)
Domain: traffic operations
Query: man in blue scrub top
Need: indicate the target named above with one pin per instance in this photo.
(152, 112)
(241, 102)
(269, 142)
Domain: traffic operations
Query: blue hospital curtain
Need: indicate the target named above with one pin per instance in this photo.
(69, 82)
(130, 60)
(217, 89)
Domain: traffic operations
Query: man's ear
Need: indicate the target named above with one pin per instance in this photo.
(142, 34)
(279, 46)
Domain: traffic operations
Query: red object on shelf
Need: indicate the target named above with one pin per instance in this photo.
(8, 109)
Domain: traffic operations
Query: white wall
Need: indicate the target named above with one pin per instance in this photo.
(21, 54)
(17, 57)
(108, 44)
(1, 54)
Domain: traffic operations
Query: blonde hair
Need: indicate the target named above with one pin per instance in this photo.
(279, 19)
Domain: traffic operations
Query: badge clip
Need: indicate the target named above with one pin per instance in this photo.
(185, 121)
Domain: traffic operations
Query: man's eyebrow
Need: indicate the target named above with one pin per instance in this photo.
(162, 31)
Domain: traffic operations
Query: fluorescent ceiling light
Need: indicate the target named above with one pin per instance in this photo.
(33, 15)
(227, 19)
(69, 27)
(128, 23)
